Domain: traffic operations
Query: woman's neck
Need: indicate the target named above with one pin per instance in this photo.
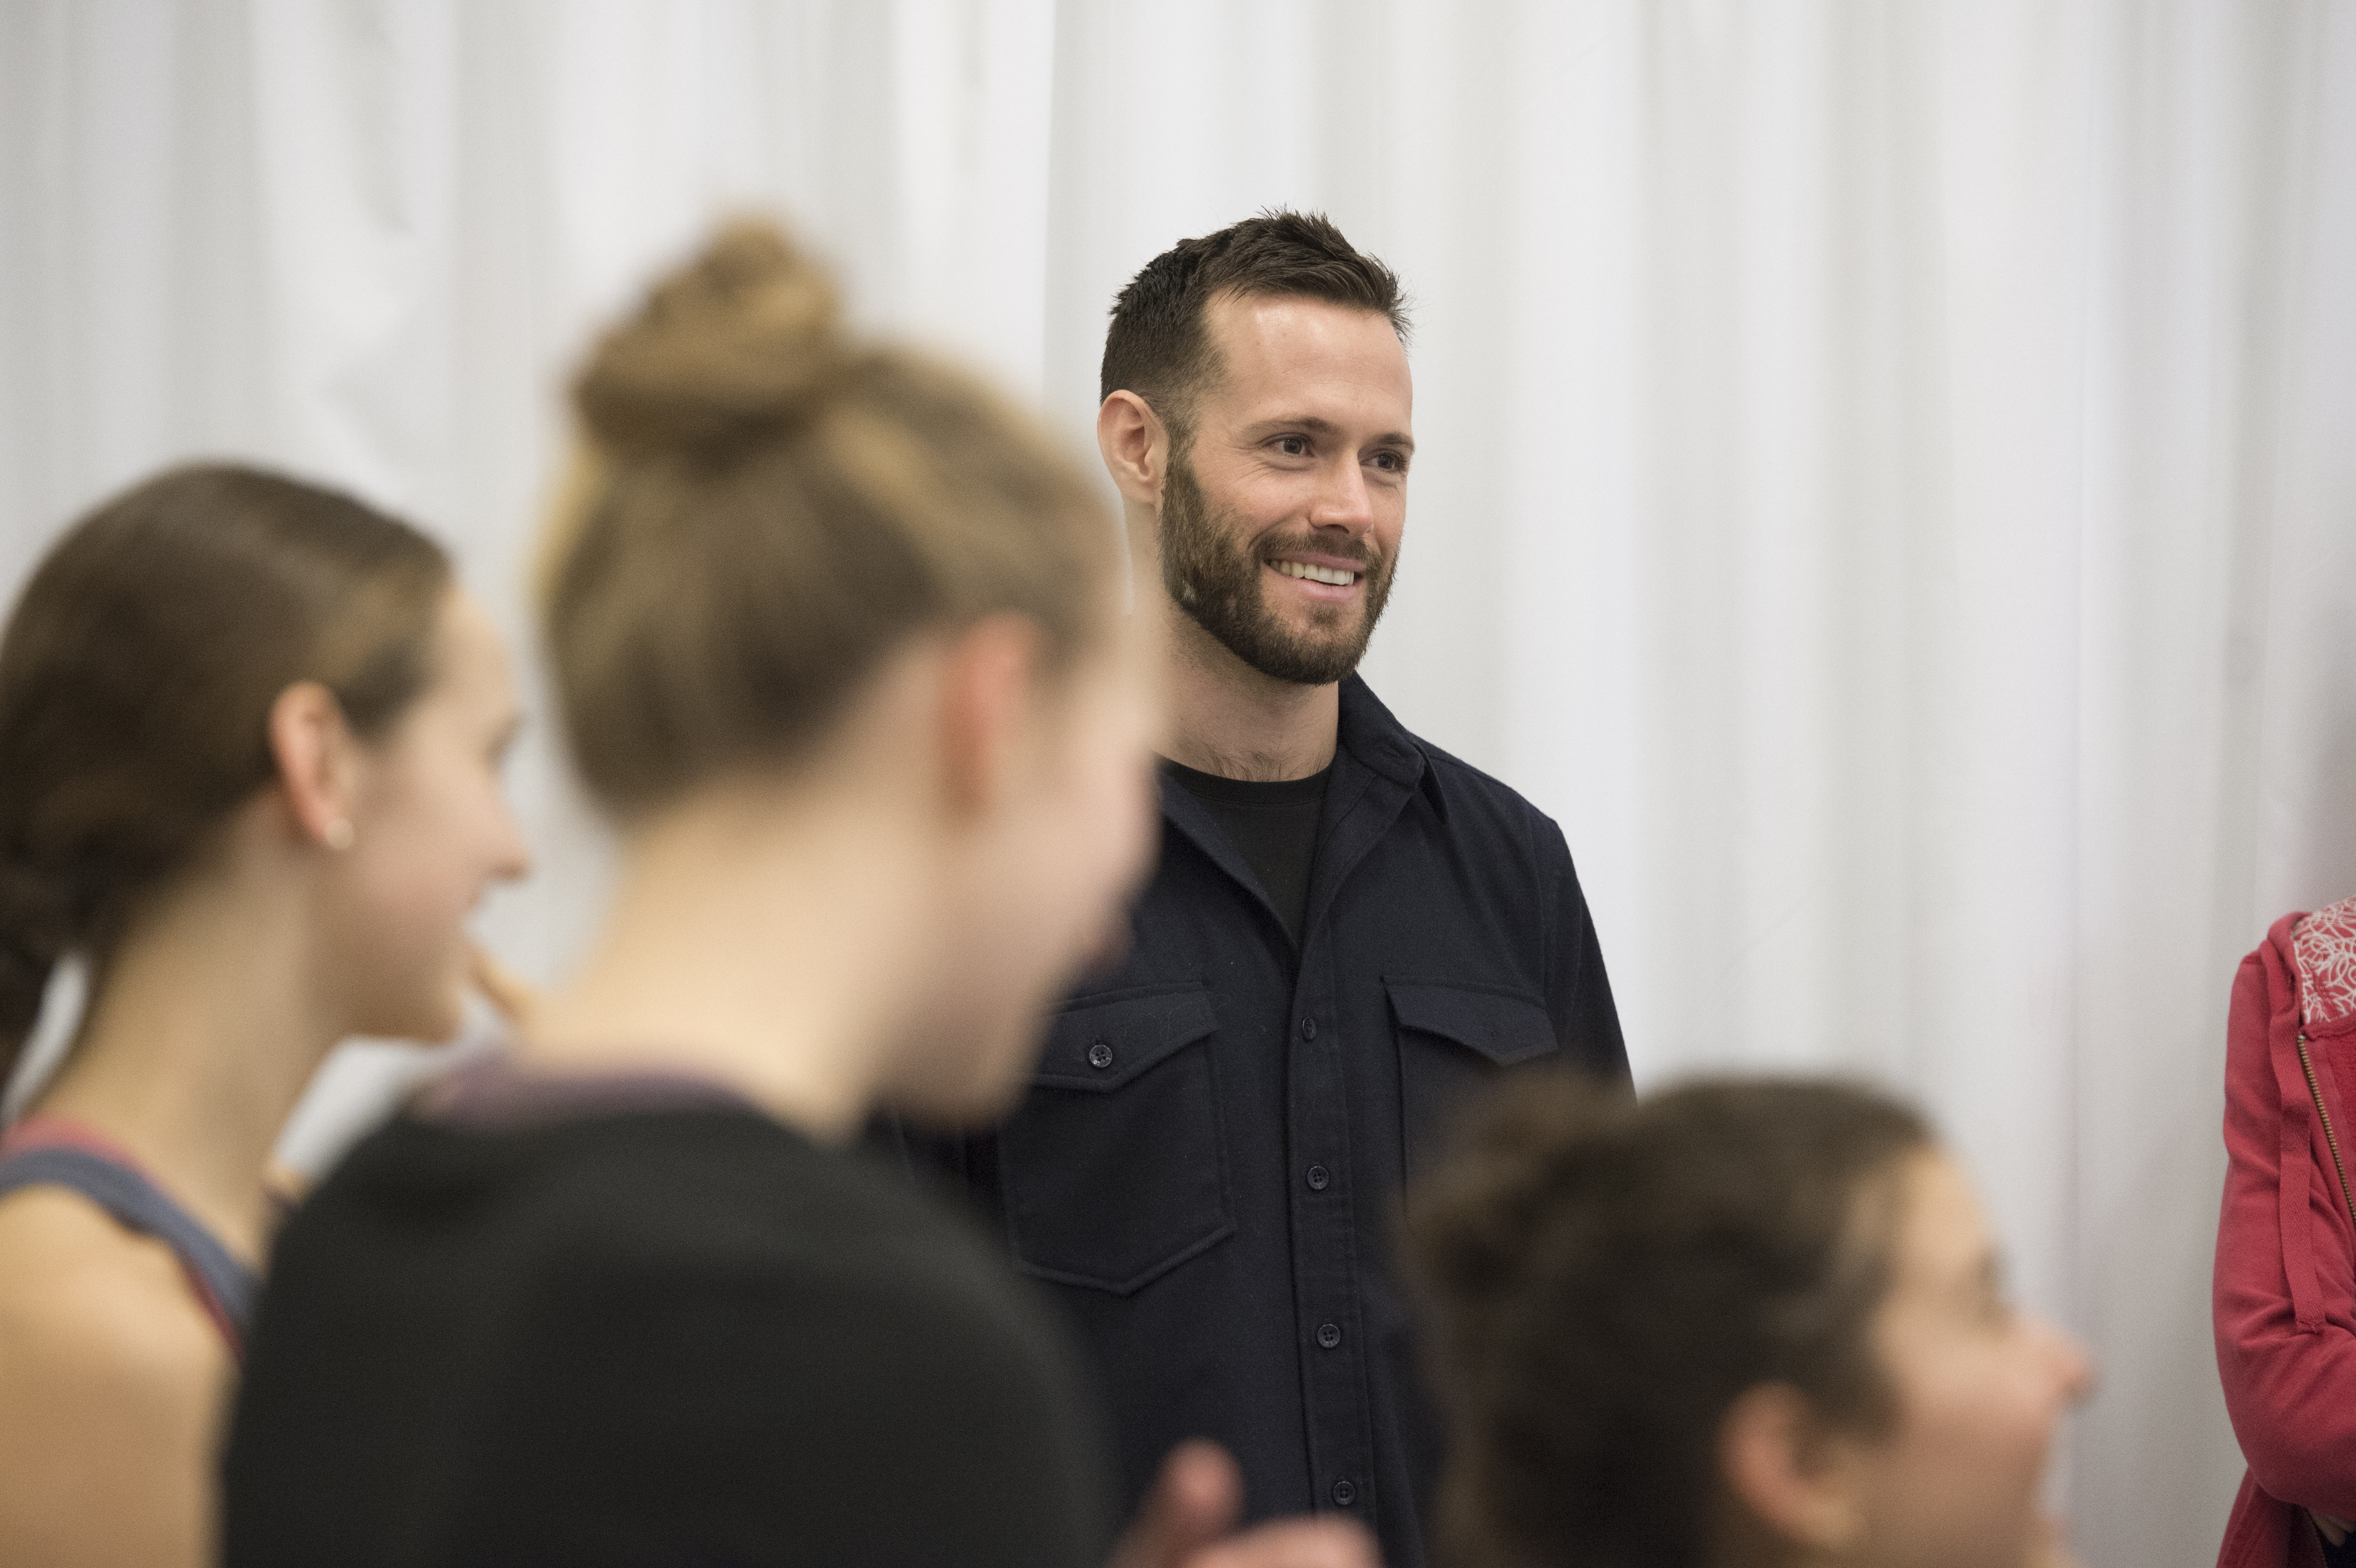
(199, 1040)
(767, 949)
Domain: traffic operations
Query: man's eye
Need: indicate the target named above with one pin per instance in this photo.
(1292, 445)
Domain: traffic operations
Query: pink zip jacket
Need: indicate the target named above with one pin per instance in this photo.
(2285, 1302)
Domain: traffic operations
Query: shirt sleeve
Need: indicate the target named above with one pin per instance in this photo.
(850, 1416)
(1579, 991)
(2289, 1365)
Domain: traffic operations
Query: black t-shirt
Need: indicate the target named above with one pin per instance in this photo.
(664, 1335)
(1273, 825)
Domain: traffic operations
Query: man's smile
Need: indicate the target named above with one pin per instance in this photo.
(1308, 571)
(1322, 579)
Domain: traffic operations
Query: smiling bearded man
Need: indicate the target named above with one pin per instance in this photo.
(1347, 928)
(1215, 577)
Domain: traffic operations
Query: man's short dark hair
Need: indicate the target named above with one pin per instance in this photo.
(1158, 346)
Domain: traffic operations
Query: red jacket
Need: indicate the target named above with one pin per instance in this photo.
(2285, 1301)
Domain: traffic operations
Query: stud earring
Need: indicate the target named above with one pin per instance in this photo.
(339, 833)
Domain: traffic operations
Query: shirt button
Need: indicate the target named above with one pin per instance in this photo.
(1309, 1028)
(1329, 1334)
(1344, 1494)
(1319, 1178)
(1099, 1055)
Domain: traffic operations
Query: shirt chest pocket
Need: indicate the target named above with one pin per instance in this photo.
(1113, 1171)
(1452, 1037)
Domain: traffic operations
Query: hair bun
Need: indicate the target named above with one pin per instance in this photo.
(741, 343)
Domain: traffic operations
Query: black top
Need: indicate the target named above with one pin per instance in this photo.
(1208, 1165)
(675, 1336)
(1273, 824)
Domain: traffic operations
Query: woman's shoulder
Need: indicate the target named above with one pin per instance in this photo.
(82, 1297)
(2323, 953)
(112, 1381)
(667, 1188)
(2303, 974)
(698, 1196)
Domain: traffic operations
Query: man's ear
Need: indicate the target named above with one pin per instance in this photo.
(1135, 447)
(317, 760)
(987, 705)
(1787, 1473)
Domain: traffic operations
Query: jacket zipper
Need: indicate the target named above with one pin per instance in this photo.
(2329, 1137)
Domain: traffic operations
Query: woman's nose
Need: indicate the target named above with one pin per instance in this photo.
(513, 859)
(2073, 1369)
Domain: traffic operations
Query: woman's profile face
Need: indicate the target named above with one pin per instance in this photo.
(1956, 1481)
(432, 830)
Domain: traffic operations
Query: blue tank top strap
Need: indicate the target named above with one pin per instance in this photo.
(138, 1204)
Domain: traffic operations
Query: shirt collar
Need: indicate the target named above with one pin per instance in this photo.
(1380, 743)
(1367, 734)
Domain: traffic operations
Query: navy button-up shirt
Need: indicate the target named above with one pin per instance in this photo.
(1206, 1170)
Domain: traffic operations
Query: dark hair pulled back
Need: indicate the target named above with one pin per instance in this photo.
(136, 678)
(1607, 1275)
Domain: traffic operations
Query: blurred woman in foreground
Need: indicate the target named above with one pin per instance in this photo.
(838, 643)
(1733, 1323)
(250, 740)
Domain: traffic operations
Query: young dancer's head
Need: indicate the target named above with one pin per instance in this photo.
(804, 587)
(249, 737)
(1737, 1322)
(225, 677)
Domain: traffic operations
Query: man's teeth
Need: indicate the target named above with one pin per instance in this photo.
(1317, 573)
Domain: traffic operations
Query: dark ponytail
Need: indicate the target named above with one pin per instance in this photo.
(136, 678)
(37, 926)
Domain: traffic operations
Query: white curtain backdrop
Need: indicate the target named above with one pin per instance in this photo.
(1887, 478)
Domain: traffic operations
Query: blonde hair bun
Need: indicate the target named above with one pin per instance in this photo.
(737, 347)
(764, 506)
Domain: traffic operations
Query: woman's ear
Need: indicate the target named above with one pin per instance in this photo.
(317, 760)
(1793, 1478)
(987, 676)
(1135, 446)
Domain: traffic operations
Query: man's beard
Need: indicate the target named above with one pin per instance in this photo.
(1214, 574)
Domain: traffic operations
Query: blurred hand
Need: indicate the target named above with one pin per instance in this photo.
(1194, 1504)
(509, 994)
(2331, 1527)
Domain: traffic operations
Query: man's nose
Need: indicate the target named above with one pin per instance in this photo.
(1343, 501)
